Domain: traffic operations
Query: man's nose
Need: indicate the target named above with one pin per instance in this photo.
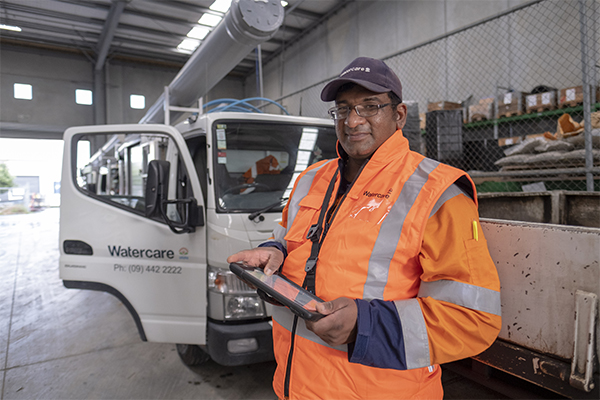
(353, 119)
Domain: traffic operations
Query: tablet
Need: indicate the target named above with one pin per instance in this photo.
(298, 300)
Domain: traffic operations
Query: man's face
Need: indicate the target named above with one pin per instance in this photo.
(361, 136)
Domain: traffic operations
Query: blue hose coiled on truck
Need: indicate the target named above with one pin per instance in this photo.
(240, 105)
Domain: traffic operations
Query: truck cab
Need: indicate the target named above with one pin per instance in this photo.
(150, 214)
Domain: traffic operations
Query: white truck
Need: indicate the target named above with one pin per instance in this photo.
(152, 215)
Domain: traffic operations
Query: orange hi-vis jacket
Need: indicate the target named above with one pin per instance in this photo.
(402, 236)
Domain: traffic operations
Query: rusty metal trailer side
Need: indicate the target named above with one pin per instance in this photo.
(550, 282)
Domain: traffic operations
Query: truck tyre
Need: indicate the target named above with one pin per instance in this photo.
(192, 354)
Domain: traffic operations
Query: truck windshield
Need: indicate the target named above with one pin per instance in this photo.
(256, 163)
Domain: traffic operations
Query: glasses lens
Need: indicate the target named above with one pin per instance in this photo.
(369, 110)
(366, 110)
(338, 112)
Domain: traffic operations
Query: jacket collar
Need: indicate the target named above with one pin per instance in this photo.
(395, 146)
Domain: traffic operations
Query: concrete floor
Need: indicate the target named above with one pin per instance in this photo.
(58, 343)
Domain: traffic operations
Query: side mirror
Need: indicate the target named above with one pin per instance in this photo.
(157, 184)
(157, 200)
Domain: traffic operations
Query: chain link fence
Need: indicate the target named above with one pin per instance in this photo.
(513, 99)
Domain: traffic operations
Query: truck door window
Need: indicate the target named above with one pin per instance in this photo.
(256, 163)
(114, 168)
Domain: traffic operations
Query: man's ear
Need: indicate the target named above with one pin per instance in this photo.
(401, 113)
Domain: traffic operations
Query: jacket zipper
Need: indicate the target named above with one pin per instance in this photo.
(286, 382)
(331, 213)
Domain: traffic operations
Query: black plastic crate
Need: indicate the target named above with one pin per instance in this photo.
(444, 136)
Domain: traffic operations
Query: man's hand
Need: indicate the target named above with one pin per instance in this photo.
(269, 258)
(339, 324)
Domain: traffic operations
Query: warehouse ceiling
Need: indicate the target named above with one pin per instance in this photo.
(143, 30)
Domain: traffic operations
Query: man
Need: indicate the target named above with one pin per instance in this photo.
(391, 241)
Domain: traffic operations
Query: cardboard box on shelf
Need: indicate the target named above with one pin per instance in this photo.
(511, 103)
(573, 96)
(540, 101)
(448, 105)
(482, 111)
(442, 105)
(422, 121)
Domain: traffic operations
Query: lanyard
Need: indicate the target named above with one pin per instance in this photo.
(317, 233)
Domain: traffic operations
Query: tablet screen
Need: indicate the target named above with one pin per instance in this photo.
(287, 289)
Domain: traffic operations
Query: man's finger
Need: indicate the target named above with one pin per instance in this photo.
(325, 308)
(273, 264)
(240, 256)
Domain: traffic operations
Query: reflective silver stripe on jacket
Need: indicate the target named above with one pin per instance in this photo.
(302, 189)
(449, 193)
(285, 318)
(279, 234)
(462, 294)
(391, 228)
(414, 332)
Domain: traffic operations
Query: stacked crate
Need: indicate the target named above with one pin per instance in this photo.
(540, 101)
(510, 104)
(444, 141)
(412, 128)
(573, 96)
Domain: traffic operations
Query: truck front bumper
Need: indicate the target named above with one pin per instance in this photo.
(240, 344)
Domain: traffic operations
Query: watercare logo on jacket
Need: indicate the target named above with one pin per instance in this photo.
(378, 195)
(118, 251)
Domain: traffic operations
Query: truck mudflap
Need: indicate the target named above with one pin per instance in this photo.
(240, 344)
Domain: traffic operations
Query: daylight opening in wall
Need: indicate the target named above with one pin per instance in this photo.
(83, 96)
(23, 91)
(137, 101)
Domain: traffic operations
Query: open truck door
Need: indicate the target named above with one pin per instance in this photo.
(132, 224)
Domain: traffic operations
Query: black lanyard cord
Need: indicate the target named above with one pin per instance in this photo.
(317, 233)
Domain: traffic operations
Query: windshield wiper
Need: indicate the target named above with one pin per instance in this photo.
(259, 213)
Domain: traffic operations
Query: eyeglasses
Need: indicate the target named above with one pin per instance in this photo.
(362, 110)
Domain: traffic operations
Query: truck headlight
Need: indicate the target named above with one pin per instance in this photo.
(230, 298)
(244, 307)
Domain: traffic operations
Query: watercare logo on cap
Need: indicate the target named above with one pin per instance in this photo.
(370, 73)
(354, 69)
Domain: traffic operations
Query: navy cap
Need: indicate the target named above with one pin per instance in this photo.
(369, 73)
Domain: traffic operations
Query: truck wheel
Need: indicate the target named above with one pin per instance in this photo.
(192, 354)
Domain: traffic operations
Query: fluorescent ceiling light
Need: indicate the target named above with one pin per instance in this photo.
(284, 3)
(198, 32)
(188, 45)
(10, 28)
(209, 19)
(221, 6)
